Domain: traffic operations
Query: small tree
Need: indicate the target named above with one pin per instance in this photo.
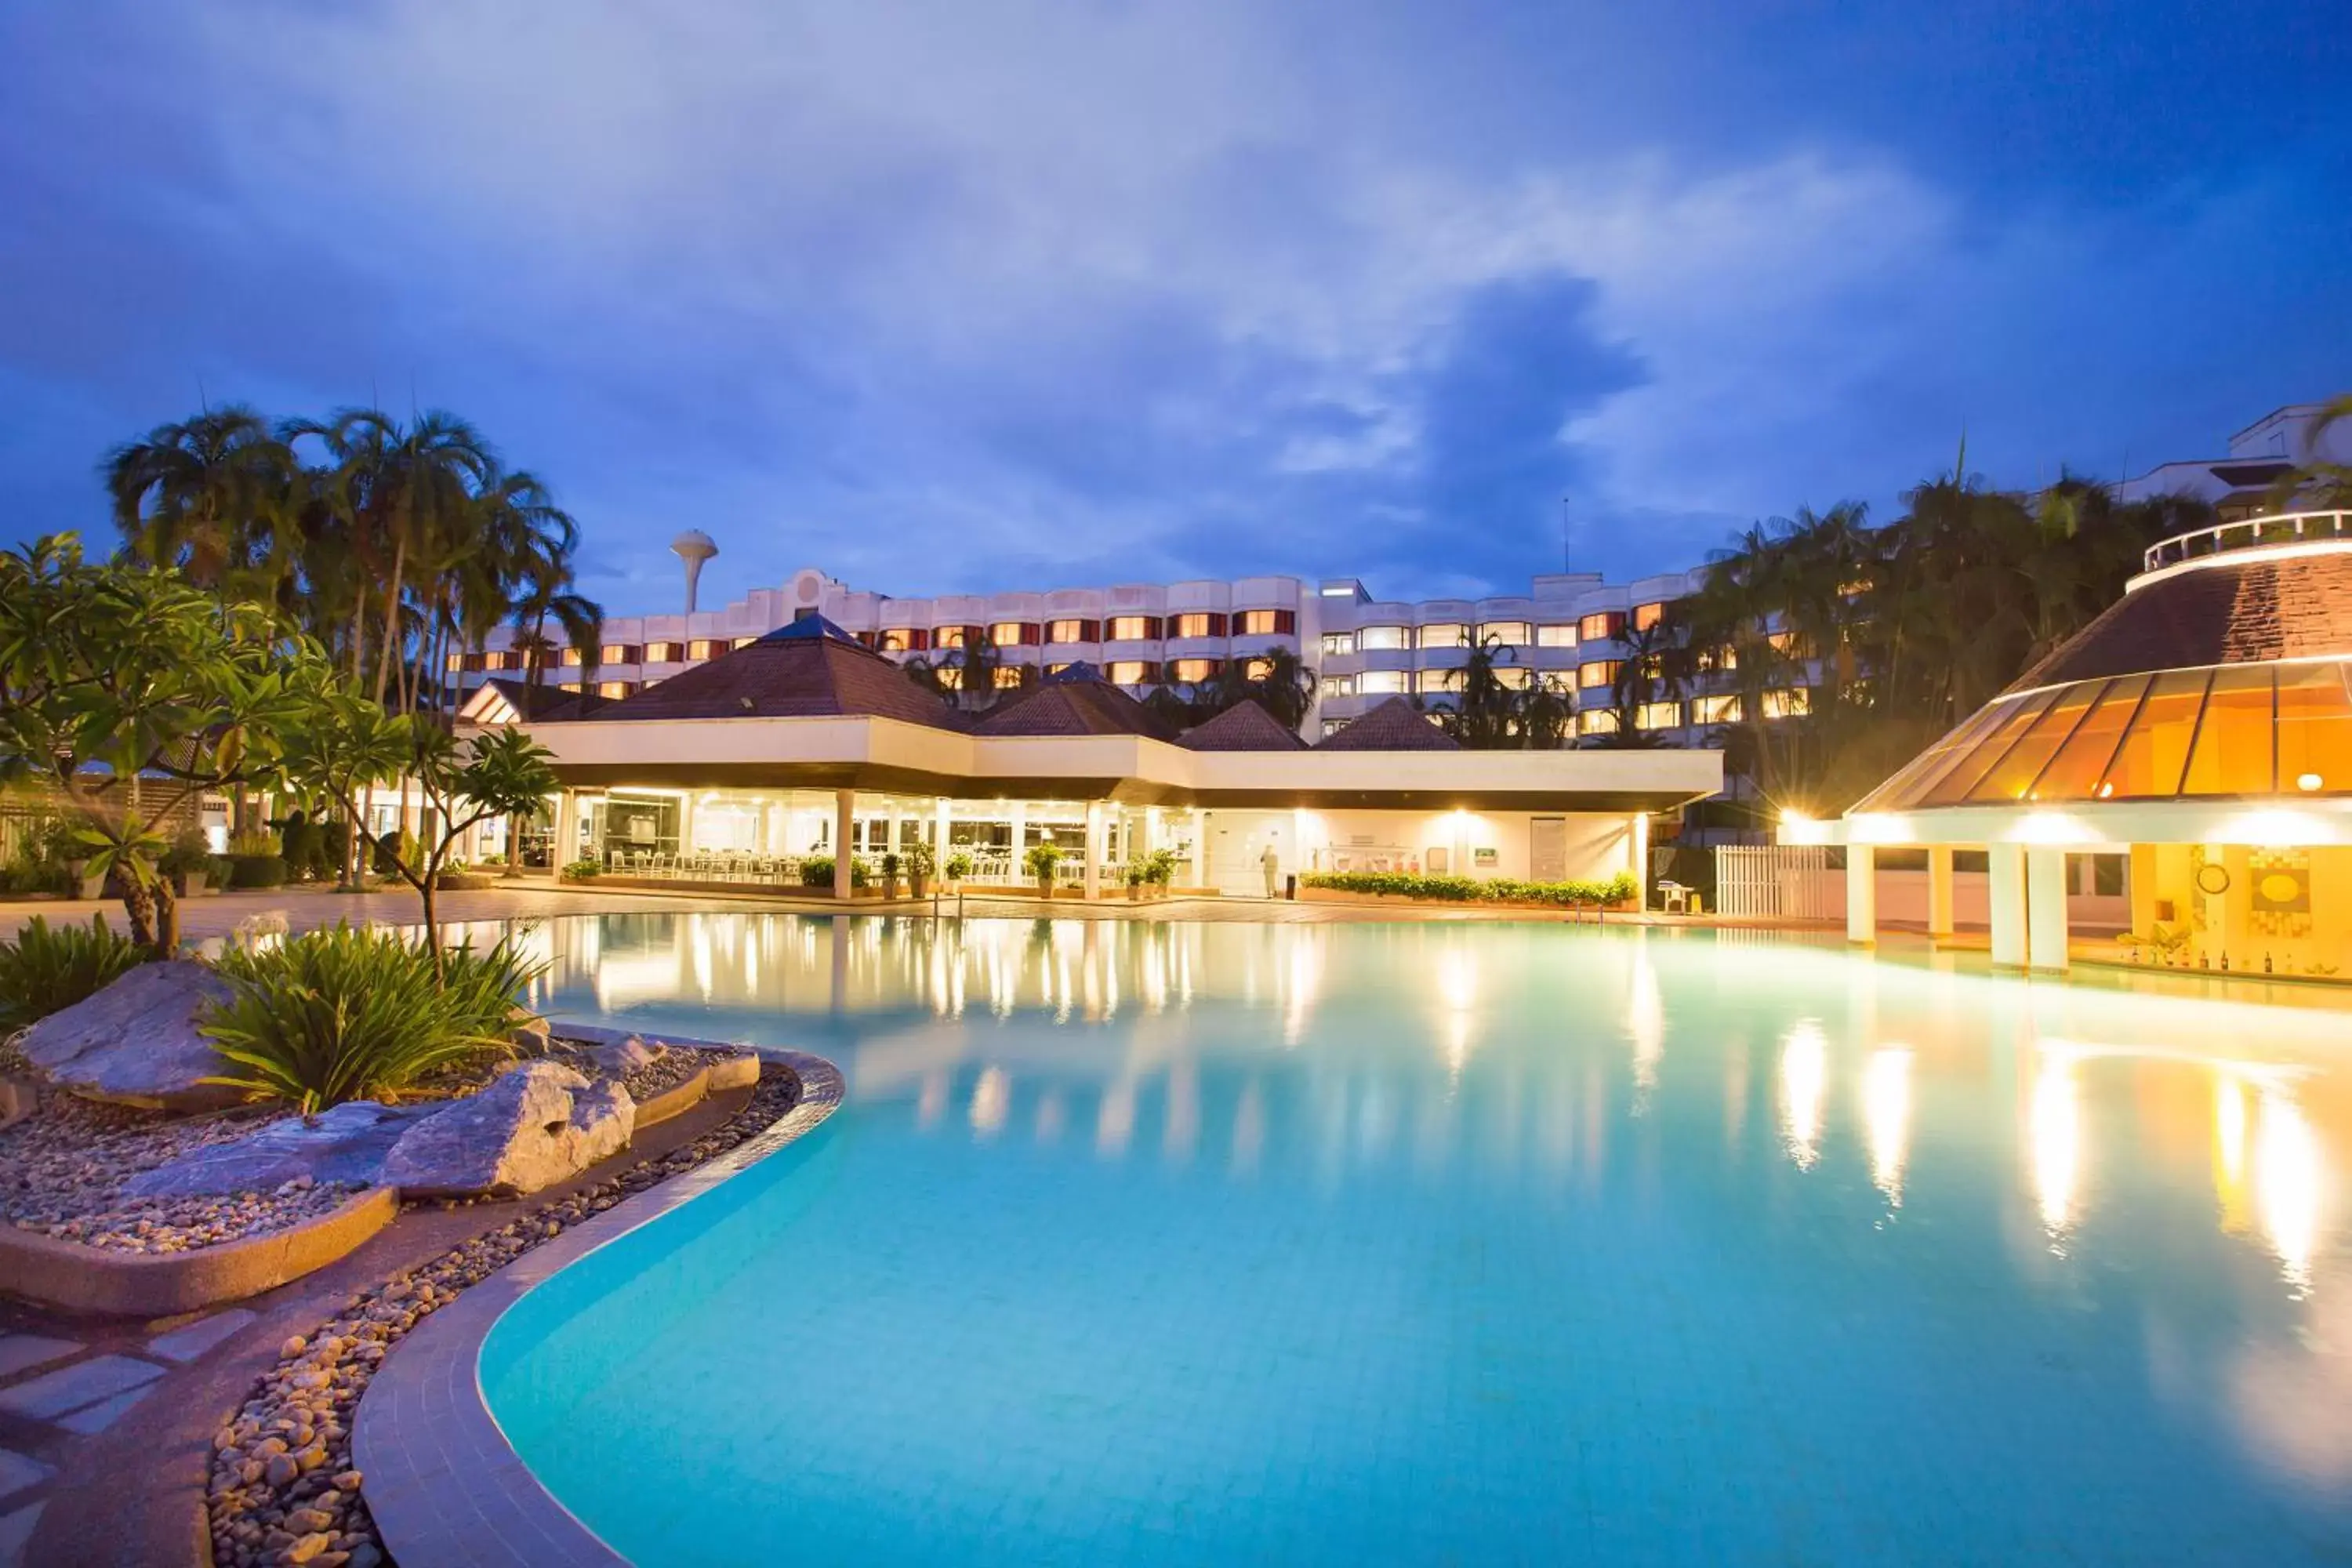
(129, 693)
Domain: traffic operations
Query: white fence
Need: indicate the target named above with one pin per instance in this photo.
(1778, 881)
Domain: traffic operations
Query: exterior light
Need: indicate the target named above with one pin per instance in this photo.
(2308, 781)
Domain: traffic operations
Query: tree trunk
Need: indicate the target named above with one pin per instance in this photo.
(139, 909)
(167, 918)
(514, 844)
(392, 618)
(359, 633)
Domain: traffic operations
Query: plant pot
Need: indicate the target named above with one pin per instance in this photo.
(915, 884)
(190, 884)
(1044, 886)
(89, 884)
(890, 887)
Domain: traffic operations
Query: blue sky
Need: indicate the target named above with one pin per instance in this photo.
(990, 293)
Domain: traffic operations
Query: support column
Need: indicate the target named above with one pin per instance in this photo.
(2045, 910)
(685, 823)
(845, 811)
(1641, 834)
(891, 825)
(1199, 848)
(939, 837)
(1939, 890)
(1094, 850)
(1019, 872)
(567, 833)
(1861, 894)
(2005, 883)
(1151, 830)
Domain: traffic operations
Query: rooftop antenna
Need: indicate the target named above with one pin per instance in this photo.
(694, 547)
(1567, 525)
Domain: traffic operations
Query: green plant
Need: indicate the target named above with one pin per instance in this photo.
(583, 871)
(816, 871)
(341, 1014)
(922, 859)
(47, 969)
(1619, 888)
(305, 848)
(1160, 868)
(257, 870)
(252, 844)
(386, 854)
(959, 866)
(1042, 859)
(189, 851)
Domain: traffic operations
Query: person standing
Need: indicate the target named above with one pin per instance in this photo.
(1272, 862)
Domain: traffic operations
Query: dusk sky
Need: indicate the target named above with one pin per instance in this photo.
(990, 295)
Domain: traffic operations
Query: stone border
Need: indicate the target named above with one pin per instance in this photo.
(73, 1276)
(442, 1483)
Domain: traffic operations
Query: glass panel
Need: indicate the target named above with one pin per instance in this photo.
(2015, 772)
(1911, 786)
(2150, 760)
(2076, 772)
(2234, 739)
(2315, 729)
(1953, 788)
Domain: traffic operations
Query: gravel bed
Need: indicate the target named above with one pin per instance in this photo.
(62, 1169)
(282, 1490)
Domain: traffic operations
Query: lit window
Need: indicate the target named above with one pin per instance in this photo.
(615, 689)
(1558, 680)
(1600, 672)
(1786, 642)
(1134, 628)
(1556, 636)
(1073, 631)
(956, 636)
(1339, 685)
(664, 652)
(2234, 738)
(1648, 616)
(570, 658)
(1658, 716)
(1383, 682)
(1441, 680)
(1384, 637)
(1515, 676)
(617, 653)
(1333, 726)
(2315, 729)
(905, 639)
(1014, 634)
(571, 686)
(1191, 670)
(1510, 634)
(1788, 702)
(1715, 709)
(1601, 625)
(949, 676)
(1596, 722)
(745, 642)
(456, 661)
(1717, 660)
(1008, 677)
(1339, 643)
(1262, 622)
(1132, 672)
(1196, 624)
(704, 648)
(1446, 634)
(1257, 669)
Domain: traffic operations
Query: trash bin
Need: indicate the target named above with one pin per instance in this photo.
(1290, 887)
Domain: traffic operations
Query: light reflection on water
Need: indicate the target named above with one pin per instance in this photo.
(2144, 1184)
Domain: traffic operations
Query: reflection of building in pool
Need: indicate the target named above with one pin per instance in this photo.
(2203, 724)
(804, 742)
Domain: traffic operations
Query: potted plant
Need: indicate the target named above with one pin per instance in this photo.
(188, 862)
(1041, 861)
(959, 867)
(919, 860)
(583, 871)
(1160, 870)
(890, 876)
(1136, 871)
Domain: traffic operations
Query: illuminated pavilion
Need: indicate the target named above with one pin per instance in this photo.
(2203, 723)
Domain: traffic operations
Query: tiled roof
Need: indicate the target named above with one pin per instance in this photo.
(2226, 612)
(552, 704)
(1393, 726)
(1243, 727)
(808, 669)
(1070, 703)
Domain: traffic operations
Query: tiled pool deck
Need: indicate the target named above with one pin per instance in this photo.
(443, 1484)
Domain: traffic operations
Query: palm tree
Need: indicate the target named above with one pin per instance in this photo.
(1657, 667)
(1485, 715)
(208, 496)
(2318, 482)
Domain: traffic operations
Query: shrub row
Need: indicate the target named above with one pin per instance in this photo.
(1619, 888)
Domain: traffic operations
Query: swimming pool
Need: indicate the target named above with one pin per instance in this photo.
(1226, 1243)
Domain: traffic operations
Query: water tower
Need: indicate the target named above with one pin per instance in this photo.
(694, 547)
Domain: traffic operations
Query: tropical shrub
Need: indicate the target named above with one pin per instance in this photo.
(959, 866)
(583, 871)
(816, 871)
(189, 851)
(46, 970)
(1160, 868)
(1619, 888)
(1041, 861)
(252, 844)
(257, 870)
(922, 859)
(341, 1014)
(304, 845)
(386, 854)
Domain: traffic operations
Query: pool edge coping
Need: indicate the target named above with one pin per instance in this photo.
(441, 1481)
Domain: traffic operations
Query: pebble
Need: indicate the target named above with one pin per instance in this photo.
(282, 1488)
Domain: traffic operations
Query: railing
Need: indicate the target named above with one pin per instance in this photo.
(1779, 881)
(2246, 534)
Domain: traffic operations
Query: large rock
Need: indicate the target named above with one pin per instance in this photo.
(136, 1043)
(347, 1144)
(537, 1125)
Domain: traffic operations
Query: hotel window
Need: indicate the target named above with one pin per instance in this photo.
(905, 639)
(955, 636)
(1649, 615)
(1333, 727)
(1601, 625)
(706, 647)
(1132, 672)
(865, 640)
(1257, 669)
(1440, 681)
(949, 676)
(571, 686)
(1596, 722)
(1133, 629)
(1658, 716)
(1073, 631)
(1261, 623)
(664, 653)
(2315, 729)
(1510, 634)
(1385, 682)
(570, 658)
(1339, 685)
(1717, 660)
(1600, 672)
(1057, 669)
(1446, 634)
(1515, 677)
(1715, 709)
(1014, 634)
(619, 653)
(1384, 638)
(1008, 677)
(747, 642)
(1786, 702)
(615, 689)
(1786, 642)
(456, 661)
(1561, 681)
(2232, 754)
(1190, 669)
(1556, 636)
(1339, 643)
(1196, 624)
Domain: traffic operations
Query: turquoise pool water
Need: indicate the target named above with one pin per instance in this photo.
(1225, 1244)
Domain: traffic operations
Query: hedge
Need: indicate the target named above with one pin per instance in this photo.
(1619, 888)
(257, 870)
